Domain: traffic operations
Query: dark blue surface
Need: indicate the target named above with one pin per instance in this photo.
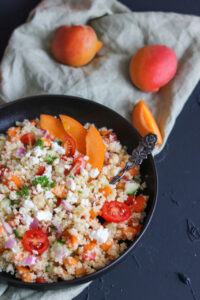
(150, 273)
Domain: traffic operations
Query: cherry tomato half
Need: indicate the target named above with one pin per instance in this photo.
(115, 211)
(41, 280)
(88, 256)
(139, 203)
(40, 170)
(78, 164)
(69, 145)
(35, 239)
(28, 139)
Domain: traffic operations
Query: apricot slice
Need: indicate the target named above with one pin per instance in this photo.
(75, 46)
(95, 148)
(144, 122)
(74, 129)
(152, 67)
(53, 125)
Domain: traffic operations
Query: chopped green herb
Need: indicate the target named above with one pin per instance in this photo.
(39, 143)
(71, 176)
(80, 192)
(70, 162)
(17, 233)
(50, 159)
(42, 180)
(47, 269)
(59, 242)
(52, 229)
(24, 191)
(59, 142)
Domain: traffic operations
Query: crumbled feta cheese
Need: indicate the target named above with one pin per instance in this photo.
(12, 195)
(84, 172)
(49, 195)
(48, 171)
(35, 252)
(59, 169)
(39, 152)
(8, 209)
(101, 235)
(44, 215)
(34, 160)
(27, 219)
(85, 202)
(86, 157)
(57, 148)
(56, 162)
(39, 188)
(70, 198)
(28, 204)
(94, 173)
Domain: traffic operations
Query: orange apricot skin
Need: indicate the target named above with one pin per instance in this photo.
(144, 122)
(75, 46)
(152, 67)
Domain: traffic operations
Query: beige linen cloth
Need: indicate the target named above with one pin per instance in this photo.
(28, 68)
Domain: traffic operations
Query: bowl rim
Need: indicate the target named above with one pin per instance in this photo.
(89, 277)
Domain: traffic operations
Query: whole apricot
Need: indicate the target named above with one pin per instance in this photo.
(152, 67)
(75, 46)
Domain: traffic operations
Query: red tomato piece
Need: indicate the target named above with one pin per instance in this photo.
(88, 256)
(64, 157)
(78, 164)
(69, 145)
(130, 200)
(115, 211)
(3, 170)
(40, 170)
(58, 201)
(139, 203)
(35, 239)
(41, 280)
(28, 139)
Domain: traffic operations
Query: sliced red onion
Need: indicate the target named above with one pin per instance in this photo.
(10, 243)
(44, 131)
(34, 224)
(20, 151)
(124, 178)
(66, 205)
(69, 183)
(7, 227)
(30, 260)
(60, 251)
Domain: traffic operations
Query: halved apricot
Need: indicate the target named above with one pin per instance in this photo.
(144, 122)
(53, 125)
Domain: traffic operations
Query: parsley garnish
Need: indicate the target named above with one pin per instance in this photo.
(59, 142)
(50, 159)
(24, 191)
(39, 143)
(52, 229)
(80, 192)
(71, 176)
(43, 181)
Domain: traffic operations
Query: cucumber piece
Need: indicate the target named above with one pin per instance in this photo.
(59, 243)
(6, 202)
(48, 268)
(17, 233)
(131, 187)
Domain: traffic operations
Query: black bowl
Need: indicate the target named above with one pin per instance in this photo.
(84, 111)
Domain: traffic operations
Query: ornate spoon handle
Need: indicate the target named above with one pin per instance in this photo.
(145, 147)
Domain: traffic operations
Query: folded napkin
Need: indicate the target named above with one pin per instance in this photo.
(28, 69)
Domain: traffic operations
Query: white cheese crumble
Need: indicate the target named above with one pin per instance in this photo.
(44, 215)
(101, 235)
(39, 188)
(12, 195)
(48, 171)
(49, 195)
(94, 173)
(29, 204)
(84, 172)
(34, 160)
(85, 202)
(70, 198)
(57, 148)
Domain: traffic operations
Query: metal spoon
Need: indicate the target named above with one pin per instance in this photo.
(145, 147)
